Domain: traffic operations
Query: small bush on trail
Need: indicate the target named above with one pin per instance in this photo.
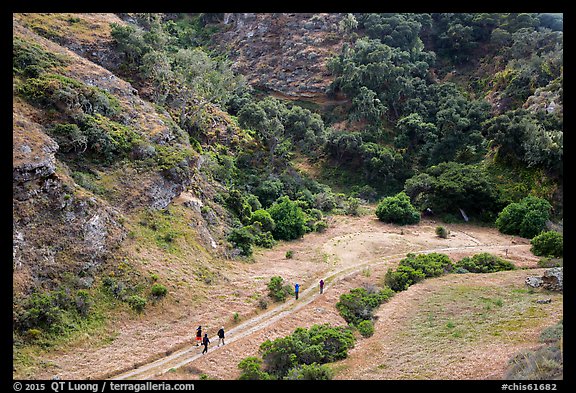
(278, 289)
(442, 232)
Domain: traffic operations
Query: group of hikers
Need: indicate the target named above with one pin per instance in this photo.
(205, 340)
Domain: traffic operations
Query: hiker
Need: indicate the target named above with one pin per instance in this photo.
(221, 336)
(321, 286)
(296, 289)
(198, 335)
(205, 342)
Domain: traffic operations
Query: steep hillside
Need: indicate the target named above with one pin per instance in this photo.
(96, 173)
(284, 53)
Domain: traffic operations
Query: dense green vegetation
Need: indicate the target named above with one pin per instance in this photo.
(526, 218)
(397, 209)
(358, 305)
(548, 244)
(436, 138)
(415, 268)
(300, 355)
(483, 263)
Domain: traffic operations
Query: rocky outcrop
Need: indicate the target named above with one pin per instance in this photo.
(57, 228)
(61, 227)
(33, 151)
(552, 280)
(546, 99)
(286, 53)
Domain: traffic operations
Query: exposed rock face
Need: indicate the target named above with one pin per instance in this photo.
(33, 153)
(286, 53)
(55, 228)
(552, 280)
(61, 227)
(546, 99)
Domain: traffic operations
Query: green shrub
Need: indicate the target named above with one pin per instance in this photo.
(320, 226)
(242, 238)
(366, 328)
(158, 290)
(40, 311)
(320, 344)
(289, 218)
(552, 333)
(31, 59)
(359, 304)
(68, 95)
(484, 263)
(278, 289)
(550, 262)
(33, 334)
(264, 239)
(543, 363)
(401, 278)
(137, 303)
(269, 191)
(442, 232)
(432, 265)
(398, 210)
(264, 218)
(262, 303)
(526, 218)
(289, 254)
(548, 244)
(83, 302)
(251, 369)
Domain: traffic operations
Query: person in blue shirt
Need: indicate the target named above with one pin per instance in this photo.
(296, 290)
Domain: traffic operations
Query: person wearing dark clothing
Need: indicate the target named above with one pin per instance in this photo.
(221, 336)
(321, 286)
(205, 342)
(198, 335)
(296, 290)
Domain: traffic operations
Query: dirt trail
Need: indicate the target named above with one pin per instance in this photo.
(352, 252)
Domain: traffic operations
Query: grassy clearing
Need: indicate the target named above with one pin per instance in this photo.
(467, 315)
